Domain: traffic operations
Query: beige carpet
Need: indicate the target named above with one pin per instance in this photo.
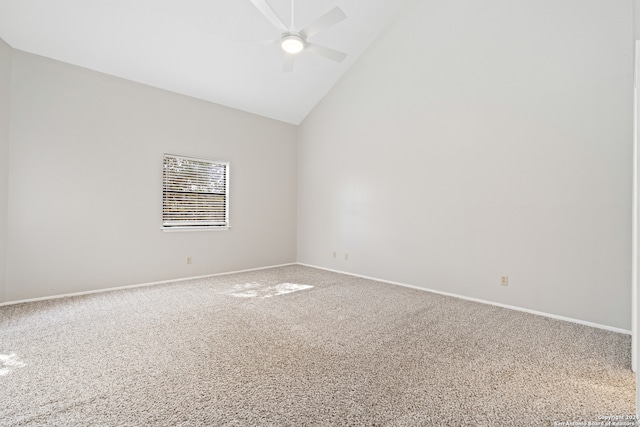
(295, 346)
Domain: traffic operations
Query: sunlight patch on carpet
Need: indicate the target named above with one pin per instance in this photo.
(9, 362)
(257, 290)
(248, 290)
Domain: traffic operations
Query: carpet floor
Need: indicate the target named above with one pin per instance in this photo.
(296, 346)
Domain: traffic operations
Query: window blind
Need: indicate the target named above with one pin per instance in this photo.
(195, 192)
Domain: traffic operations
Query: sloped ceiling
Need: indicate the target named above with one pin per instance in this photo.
(198, 48)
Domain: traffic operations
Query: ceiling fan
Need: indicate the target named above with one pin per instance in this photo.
(293, 41)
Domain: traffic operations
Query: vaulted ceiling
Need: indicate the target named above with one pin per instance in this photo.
(199, 48)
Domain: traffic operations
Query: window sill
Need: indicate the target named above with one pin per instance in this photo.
(194, 228)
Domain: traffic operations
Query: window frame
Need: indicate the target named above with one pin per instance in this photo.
(196, 227)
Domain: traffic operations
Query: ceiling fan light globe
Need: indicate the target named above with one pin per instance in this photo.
(292, 44)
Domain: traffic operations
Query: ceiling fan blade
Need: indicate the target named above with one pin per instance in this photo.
(330, 18)
(334, 55)
(287, 66)
(270, 14)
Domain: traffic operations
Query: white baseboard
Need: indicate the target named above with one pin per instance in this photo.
(510, 307)
(141, 285)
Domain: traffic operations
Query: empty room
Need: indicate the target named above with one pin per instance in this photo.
(297, 212)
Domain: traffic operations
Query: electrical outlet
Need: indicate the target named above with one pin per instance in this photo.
(188, 260)
(346, 257)
(504, 280)
(334, 254)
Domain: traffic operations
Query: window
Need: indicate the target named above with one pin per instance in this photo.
(195, 193)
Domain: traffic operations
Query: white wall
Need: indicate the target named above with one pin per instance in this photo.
(636, 223)
(85, 193)
(5, 105)
(635, 260)
(636, 19)
(480, 139)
